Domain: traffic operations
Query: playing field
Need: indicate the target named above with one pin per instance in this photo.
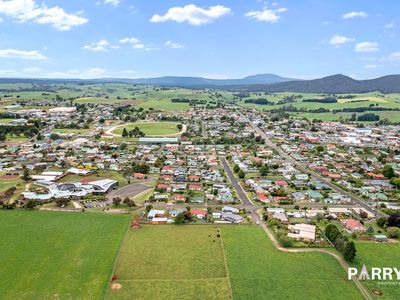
(151, 129)
(259, 271)
(379, 255)
(171, 262)
(50, 255)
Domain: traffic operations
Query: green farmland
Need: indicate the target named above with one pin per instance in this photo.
(50, 255)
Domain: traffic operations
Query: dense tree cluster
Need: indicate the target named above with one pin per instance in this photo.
(348, 249)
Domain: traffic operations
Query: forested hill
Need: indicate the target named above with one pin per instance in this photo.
(333, 84)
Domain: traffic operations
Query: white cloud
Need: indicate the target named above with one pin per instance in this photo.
(66, 74)
(174, 45)
(74, 73)
(21, 54)
(138, 46)
(112, 2)
(100, 46)
(136, 43)
(395, 56)
(355, 14)
(192, 14)
(129, 72)
(94, 72)
(8, 72)
(266, 15)
(129, 40)
(29, 11)
(389, 25)
(31, 70)
(366, 47)
(372, 66)
(337, 40)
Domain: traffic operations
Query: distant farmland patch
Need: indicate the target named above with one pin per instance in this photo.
(363, 99)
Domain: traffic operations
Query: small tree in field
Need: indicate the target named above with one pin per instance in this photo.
(31, 204)
(179, 219)
(349, 252)
(149, 208)
(116, 201)
(25, 175)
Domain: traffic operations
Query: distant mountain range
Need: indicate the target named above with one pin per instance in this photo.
(201, 81)
(334, 84)
(184, 81)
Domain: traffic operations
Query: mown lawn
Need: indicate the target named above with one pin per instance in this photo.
(379, 255)
(51, 255)
(257, 270)
(171, 262)
(151, 129)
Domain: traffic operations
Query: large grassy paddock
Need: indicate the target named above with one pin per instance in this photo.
(379, 255)
(50, 255)
(171, 262)
(183, 262)
(259, 271)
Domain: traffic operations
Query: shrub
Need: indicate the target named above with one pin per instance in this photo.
(286, 241)
(393, 232)
(350, 251)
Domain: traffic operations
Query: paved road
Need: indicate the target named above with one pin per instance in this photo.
(235, 183)
(306, 170)
(204, 131)
(247, 204)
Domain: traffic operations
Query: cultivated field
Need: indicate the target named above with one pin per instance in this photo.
(171, 262)
(150, 129)
(379, 255)
(50, 255)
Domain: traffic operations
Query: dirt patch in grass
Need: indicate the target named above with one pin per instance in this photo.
(116, 286)
(9, 177)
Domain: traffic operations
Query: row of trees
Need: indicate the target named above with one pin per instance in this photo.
(241, 174)
(27, 131)
(347, 248)
(135, 132)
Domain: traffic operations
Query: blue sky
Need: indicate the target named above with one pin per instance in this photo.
(218, 38)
